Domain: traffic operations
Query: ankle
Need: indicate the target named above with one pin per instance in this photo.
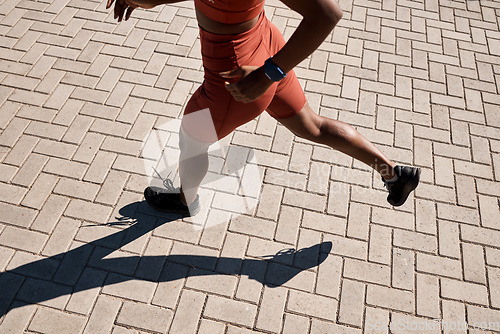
(184, 200)
(391, 179)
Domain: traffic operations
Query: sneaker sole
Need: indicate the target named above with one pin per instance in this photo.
(409, 187)
(181, 212)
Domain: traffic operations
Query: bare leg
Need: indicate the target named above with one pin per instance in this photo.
(193, 166)
(340, 136)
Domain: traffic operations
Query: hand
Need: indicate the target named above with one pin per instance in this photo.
(252, 84)
(129, 5)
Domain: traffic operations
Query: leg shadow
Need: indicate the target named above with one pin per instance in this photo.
(73, 271)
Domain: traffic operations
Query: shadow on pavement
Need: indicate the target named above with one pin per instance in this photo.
(75, 270)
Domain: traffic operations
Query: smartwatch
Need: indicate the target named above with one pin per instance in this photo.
(273, 71)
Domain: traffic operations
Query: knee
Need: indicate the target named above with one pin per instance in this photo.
(189, 147)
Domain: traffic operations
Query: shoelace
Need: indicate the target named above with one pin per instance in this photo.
(167, 183)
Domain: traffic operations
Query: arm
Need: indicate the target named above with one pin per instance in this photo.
(319, 19)
(130, 5)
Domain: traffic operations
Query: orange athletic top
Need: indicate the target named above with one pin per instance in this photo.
(230, 11)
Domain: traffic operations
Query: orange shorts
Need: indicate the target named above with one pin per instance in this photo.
(213, 103)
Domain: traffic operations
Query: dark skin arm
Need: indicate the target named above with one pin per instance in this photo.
(126, 7)
(319, 19)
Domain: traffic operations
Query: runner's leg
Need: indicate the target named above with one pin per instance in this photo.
(340, 136)
(193, 166)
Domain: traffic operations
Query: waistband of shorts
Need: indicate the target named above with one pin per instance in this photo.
(211, 37)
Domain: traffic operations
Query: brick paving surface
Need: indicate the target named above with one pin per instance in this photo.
(81, 252)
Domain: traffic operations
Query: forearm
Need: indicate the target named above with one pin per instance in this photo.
(311, 32)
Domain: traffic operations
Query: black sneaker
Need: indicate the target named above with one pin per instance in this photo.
(408, 178)
(167, 201)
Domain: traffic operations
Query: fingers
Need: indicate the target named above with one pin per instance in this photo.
(109, 4)
(118, 7)
(122, 9)
(129, 12)
(237, 94)
(233, 74)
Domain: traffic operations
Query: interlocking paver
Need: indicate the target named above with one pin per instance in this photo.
(48, 320)
(102, 318)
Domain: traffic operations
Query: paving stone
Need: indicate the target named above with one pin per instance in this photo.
(188, 311)
(263, 248)
(288, 224)
(390, 298)
(427, 296)
(86, 292)
(415, 241)
(16, 215)
(61, 237)
(217, 221)
(402, 323)
(178, 230)
(40, 191)
(88, 211)
(251, 277)
(252, 226)
(402, 269)
(48, 320)
(480, 235)
(493, 285)
(211, 327)
(473, 263)
(66, 168)
(230, 310)
(319, 326)
(99, 168)
(352, 303)
(77, 189)
(28, 173)
(144, 316)
(463, 291)
(21, 150)
(102, 318)
(294, 323)
(379, 249)
(211, 282)
(18, 317)
(312, 305)
(128, 288)
(153, 260)
(347, 246)
(329, 275)
(281, 275)
(112, 188)
(231, 257)
(453, 317)
(489, 211)
(170, 285)
(23, 239)
(482, 317)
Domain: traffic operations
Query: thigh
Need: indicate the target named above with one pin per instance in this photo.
(289, 98)
(191, 147)
(212, 113)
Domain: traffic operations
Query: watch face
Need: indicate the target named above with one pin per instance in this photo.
(273, 71)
